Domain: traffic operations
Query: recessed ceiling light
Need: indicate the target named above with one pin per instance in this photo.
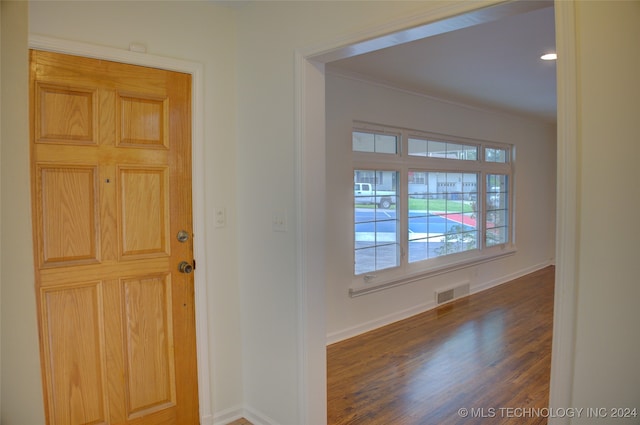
(549, 57)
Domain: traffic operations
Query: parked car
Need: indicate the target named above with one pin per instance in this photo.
(366, 193)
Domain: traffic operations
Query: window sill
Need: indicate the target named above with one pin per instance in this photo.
(368, 288)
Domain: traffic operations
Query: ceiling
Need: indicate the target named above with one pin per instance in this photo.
(494, 64)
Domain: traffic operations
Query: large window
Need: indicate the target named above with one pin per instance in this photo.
(424, 203)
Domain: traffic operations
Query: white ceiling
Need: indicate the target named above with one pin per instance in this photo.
(495, 64)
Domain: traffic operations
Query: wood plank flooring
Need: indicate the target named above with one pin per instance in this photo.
(241, 421)
(487, 353)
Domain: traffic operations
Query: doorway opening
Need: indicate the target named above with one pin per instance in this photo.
(414, 90)
(311, 83)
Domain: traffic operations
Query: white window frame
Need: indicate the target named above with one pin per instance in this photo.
(403, 163)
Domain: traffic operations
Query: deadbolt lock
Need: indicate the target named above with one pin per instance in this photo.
(182, 236)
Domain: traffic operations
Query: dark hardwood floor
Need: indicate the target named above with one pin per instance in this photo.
(489, 353)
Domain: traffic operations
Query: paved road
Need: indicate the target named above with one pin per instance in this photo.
(419, 222)
(378, 227)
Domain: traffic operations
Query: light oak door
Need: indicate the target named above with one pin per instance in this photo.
(111, 190)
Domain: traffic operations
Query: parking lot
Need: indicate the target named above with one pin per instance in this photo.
(376, 241)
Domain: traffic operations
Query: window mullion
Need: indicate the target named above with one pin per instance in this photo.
(403, 213)
(482, 210)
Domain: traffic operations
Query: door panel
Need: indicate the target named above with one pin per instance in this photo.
(64, 114)
(142, 121)
(148, 339)
(144, 211)
(111, 185)
(77, 374)
(68, 214)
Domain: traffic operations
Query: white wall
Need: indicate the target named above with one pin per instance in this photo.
(21, 388)
(268, 35)
(349, 99)
(606, 370)
(263, 80)
(251, 173)
(194, 31)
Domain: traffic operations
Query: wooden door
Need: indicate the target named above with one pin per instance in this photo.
(111, 189)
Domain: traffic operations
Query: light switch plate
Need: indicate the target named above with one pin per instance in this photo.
(220, 215)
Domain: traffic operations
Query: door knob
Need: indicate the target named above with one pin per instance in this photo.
(185, 267)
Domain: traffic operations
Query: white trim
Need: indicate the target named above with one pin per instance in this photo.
(310, 241)
(363, 289)
(509, 277)
(40, 42)
(258, 418)
(228, 415)
(378, 322)
(238, 412)
(563, 346)
(450, 16)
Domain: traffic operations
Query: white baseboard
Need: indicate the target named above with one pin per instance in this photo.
(378, 323)
(207, 420)
(257, 418)
(227, 416)
(508, 278)
(421, 308)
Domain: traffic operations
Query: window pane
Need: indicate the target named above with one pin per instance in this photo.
(363, 142)
(438, 149)
(497, 210)
(496, 236)
(386, 143)
(365, 260)
(375, 143)
(417, 147)
(454, 151)
(387, 256)
(376, 224)
(463, 152)
(496, 192)
(442, 215)
(470, 153)
(495, 155)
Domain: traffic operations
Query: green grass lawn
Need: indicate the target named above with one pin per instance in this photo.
(433, 205)
(440, 205)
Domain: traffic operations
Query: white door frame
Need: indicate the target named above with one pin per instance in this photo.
(195, 69)
(311, 188)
